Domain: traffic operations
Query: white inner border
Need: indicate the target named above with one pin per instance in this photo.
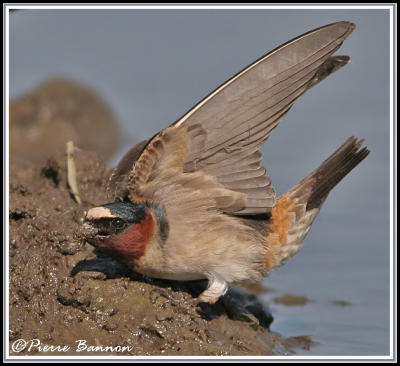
(6, 10)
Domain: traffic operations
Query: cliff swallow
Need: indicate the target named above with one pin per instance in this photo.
(194, 201)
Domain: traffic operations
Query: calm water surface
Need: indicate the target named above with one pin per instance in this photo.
(330, 269)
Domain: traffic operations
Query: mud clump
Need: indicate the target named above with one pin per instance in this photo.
(341, 303)
(59, 110)
(65, 296)
(292, 300)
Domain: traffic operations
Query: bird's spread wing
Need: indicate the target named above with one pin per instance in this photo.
(219, 138)
(117, 185)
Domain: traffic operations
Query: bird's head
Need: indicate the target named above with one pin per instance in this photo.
(122, 229)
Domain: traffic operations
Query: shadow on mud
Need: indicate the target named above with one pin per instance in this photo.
(235, 304)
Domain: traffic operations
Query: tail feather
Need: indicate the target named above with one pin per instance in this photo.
(295, 211)
(314, 189)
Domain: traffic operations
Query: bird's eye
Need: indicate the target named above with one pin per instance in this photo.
(118, 223)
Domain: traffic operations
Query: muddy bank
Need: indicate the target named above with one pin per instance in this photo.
(62, 291)
(66, 296)
(59, 110)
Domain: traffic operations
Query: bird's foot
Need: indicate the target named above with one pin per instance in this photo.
(217, 287)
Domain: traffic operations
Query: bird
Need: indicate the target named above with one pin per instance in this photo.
(195, 202)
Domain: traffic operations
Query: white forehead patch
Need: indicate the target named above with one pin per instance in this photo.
(99, 213)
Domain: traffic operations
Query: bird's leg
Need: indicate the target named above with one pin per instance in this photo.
(216, 288)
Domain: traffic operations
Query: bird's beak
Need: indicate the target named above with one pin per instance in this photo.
(89, 230)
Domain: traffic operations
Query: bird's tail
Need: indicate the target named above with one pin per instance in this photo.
(294, 212)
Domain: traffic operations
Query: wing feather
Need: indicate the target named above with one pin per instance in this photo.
(215, 146)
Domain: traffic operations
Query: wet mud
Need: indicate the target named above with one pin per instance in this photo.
(65, 298)
(292, 300)
(63, 292)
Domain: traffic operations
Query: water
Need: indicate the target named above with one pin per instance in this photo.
(329, 269)
(152, 66)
